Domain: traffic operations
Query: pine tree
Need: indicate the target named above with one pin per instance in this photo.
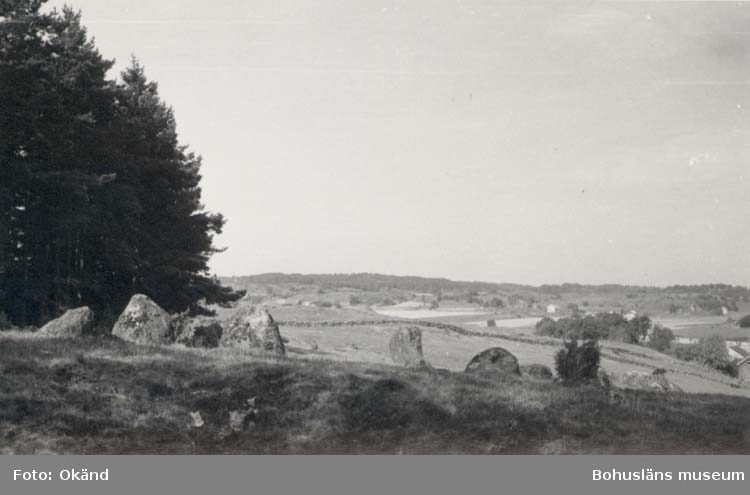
(97, 198)
(54, 99)
(175, 233)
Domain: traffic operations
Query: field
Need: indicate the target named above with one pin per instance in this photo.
(105, 396)
(337, 391)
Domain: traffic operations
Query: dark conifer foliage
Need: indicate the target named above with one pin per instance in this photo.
(98, 200)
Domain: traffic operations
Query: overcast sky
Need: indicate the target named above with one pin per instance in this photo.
(520, 141)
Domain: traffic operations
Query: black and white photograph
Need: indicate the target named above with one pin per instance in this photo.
(344, 227)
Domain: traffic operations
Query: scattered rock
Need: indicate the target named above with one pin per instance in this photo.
(253, 328)
(74, 323)
(493, 360)
(196, 420)
(196, 332)
(406, 347)
(648, 381)
(241, 420)
(539, 371)
(237, 420)
(143, 322)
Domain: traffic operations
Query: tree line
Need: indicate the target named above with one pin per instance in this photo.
(98, 198)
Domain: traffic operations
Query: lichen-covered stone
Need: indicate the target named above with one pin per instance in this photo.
(648, 381)
(143, 322)
(196, 332)
(492, 361)
(73, 323)
(253, 328)
(405, 347)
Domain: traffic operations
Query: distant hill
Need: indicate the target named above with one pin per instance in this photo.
(369, 281)
(708, 298)
(376, 281)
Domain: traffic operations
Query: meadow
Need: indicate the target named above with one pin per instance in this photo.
(338, 391)
(101, 395)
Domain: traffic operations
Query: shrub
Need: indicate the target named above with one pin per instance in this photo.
(495, 302)
(434, 305)
(744, 322)
(709, 303)
(547, 327)
(491, 323)
(577, 362)
(711, 351)
(354, 301)
(661, 338)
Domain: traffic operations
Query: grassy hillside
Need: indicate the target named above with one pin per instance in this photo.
(106, 396)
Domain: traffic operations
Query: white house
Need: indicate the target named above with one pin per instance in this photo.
(551, 309)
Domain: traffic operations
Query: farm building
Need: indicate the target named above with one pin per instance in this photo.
(630, 315)
(743, 369)
(551, 309)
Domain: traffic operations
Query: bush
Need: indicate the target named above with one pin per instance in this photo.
(709, 303)
(495, 303)
(434, 305)
(711, 351)
(661, 338)
(744, 322)
(578, 362)
(354, 301)
(491, 323)
(547, 327)
(610, 326)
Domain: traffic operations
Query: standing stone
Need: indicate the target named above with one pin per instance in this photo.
(252, 328)
(73, 323)
(406, 347)
(196, 332)
(143, 322)
(493, 360)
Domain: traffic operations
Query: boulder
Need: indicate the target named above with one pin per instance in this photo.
(196, 332)
(73, 323)
(492, 361)
(253, 328)
(406, 347)
(143, 322)
(539, 371)
(648, 381)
